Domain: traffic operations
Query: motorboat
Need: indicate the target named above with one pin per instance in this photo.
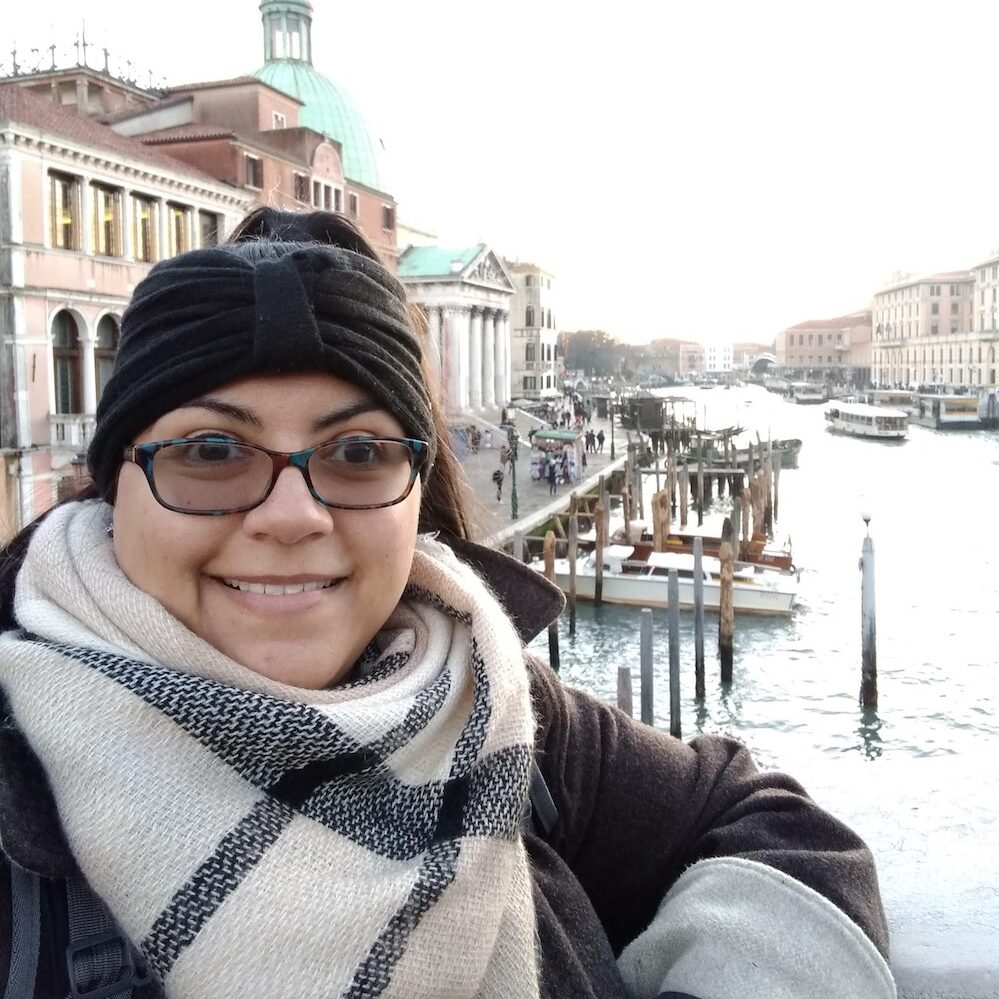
(642, 582)
(947, 412)
(860, 419)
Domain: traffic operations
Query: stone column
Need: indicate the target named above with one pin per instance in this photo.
(489, 359)
(451, 377)
(499, 358)
(507, 359)
(89, 373)
(461, 331)
(435, 344)
(475, 361)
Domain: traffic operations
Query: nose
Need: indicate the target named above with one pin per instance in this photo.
(290, 513)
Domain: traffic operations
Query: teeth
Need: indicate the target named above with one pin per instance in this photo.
(277, 589)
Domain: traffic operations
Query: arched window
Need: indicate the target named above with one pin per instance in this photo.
(104, 351)
(66, 363)
(529, 316)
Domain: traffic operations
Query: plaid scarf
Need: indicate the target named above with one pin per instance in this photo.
(256, 839)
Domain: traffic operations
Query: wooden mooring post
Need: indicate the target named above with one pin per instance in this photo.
(550, 576)
(573, 554)
(647, 690)
(700, 490)
(598, 580)
(624, 690)
(776, 487)
(726, 609)
(684, 494)
(673, 616)
(698, 617)
(737, 540)
(747, 505)
(868, 625)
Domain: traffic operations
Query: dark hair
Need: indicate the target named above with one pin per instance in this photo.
(445, 495)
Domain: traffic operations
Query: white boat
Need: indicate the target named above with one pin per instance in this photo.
(807, 393)
(643, 583)
(859, 419)
(947, 412)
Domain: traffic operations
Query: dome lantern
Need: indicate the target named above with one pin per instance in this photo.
(287, 30)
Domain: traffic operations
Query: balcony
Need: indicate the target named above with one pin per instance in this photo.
(70, 431)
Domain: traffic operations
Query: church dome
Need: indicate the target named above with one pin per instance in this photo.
(327, 107)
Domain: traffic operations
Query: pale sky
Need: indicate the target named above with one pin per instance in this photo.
(709, 171)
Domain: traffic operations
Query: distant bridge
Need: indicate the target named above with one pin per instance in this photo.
(763, 361)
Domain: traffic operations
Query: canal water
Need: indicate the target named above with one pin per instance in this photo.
(934, 506)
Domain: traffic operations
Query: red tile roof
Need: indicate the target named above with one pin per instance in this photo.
(236, 81)
(140, 109)
(839, 323)
(192, 132)
(17, 105)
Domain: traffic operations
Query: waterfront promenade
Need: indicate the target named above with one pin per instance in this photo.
(492, 519)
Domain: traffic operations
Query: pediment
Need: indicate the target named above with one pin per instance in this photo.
(488, 269)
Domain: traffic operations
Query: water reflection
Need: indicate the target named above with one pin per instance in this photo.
(869, 731)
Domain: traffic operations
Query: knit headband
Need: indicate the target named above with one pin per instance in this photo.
(208, 317)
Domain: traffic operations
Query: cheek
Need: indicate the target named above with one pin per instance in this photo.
(160, 552)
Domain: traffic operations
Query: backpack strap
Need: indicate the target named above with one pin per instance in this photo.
(542, 815)
(102, 964)
(25, 941)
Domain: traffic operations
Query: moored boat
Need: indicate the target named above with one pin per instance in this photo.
(807, 393)
(860, 419)
(630, 579)
(947, 412)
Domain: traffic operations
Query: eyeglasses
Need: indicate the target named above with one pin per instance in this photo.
(212, 476)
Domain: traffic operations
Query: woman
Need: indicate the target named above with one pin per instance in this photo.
(269, 717)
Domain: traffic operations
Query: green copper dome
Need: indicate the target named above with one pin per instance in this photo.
(327, 108)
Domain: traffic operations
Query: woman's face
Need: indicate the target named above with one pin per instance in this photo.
(362, 557)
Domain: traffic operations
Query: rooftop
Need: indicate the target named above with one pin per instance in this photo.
(862, 318)
(436, 261)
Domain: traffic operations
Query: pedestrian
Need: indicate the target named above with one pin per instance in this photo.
(269, 721)
(498, 480)
(600, 440)
(552, 476)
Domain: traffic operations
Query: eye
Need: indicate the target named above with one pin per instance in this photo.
(209, 451)
(358, 452)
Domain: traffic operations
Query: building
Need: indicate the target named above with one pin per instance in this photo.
(718, 358)
(834, 349)
(465, 296)
(101, 176)
(534, 367)
(745, 355)
(936, 330)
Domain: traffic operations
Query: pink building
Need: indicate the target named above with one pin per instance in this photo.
(819, 347)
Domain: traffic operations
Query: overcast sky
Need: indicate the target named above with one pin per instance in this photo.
(714, 171)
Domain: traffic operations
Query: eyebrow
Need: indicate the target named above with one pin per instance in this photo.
(243, 415)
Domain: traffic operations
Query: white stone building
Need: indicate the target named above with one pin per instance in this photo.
(533, 333)
(718, 358)
(465, 295)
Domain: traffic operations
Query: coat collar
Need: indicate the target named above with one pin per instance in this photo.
(30, 832)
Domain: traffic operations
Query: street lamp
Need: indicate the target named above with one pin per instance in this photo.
(513, 438)
(613, 398)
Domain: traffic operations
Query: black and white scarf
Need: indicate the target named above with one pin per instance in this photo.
(256, 839)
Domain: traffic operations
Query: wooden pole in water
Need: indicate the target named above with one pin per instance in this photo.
(598, 581)
(658, 485)
(573, 554)
(684, 492)
(737, 527)
(550, 576)
(868, 626)
(673, 599)
(648, 708)
(698, 617)
(776, 486)
(626, 508)
(657, 523)
(768, 508)
(666, 519)
(624, 690)
(726, 609)
(747, 502)
(700, 490)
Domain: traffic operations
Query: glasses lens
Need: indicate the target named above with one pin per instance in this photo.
(204, 476)
(362, 471)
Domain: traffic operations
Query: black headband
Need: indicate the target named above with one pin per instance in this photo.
(209, 317)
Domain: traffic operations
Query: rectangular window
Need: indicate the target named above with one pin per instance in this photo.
(953, 327)
(317, 194)
(934, 329)
(302, 188)
(839, 337)
(934, 308)
(145, 228)
(328, 197)
(64, 211)
(352, 206)
(337, 199)
(107, 220)
(208, 229)
(278, 120)
(388, 217)
(820, 339)
(253, 171)
(178, 229)
(953, 308)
